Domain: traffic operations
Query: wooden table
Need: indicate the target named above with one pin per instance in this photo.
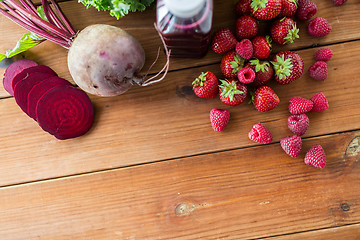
(152, 167)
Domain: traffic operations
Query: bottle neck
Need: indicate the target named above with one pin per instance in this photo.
(185, 8)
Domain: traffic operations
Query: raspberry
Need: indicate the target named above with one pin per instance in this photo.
(246, 75)
(260, 134)
(219, 119)
(323, 54)
(291, 145)
(320, 102)
(316, 157)
(318, 71)
(306, 10)
(319, 27)
(299, 105)
(339, 2)
(298, 124)
(245, 49)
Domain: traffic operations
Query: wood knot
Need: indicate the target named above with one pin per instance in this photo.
(186, 92)
(184, 209)
(345, 207)
(353, 149)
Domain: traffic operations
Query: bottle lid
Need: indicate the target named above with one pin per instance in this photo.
(184, 8)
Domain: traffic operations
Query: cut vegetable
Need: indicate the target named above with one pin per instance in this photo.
(14, 69)
(23, 88)
(103, 60)
(26, 72)
(65, 112)
(39, 90)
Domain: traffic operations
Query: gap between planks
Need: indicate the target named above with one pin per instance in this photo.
(159, 161)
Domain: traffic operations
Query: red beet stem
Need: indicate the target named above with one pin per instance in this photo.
(58, 29)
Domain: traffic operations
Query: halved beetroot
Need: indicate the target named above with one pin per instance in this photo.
(65, 111)
(25, 73)
(24, 86)
(13, 69)
(40, 89)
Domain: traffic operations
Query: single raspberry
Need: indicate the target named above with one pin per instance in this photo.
(291, 145)
(339, 2)
(306, 10)
(319, 27)
(320, 102)
(245, 49)
(323, 54)
(318, 71)
(246, 75)
(316, 157)
(298, 124)
(299, 105)
(219, 119)
(223, 41)
(260, 134)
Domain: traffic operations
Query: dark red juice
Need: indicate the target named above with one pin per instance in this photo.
(188, 36)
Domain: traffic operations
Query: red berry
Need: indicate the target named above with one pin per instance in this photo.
(206, 85)
(232, 92)
(318, 71)
(319, 27)
(246, 27)
(246, 75)
(288, 66)
(298, 124)
(263, 71)
(223, 41)
(288, 8)
(323, 54)
(260, 134)
(219, 119)
(316, 157)
(245, 49)
(320, 102)
(284, 31)
(299, 105)
(339, 2)
(243, 7)
(306, 10)
(262, 47)
(231, 63)
(265, 99)
(265, 9)
(291, 145)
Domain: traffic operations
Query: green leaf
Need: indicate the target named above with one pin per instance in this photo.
(27, 41)
(118, 8)
(41, 13)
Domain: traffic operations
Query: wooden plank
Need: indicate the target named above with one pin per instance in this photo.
(167, 121)
(249, 193)
(349, 232)
(345, 21)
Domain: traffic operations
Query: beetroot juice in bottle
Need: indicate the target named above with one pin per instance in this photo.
(185, 26)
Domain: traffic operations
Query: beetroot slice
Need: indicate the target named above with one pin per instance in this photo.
(23, 88)
(40, 89)
(65, 112)
(25, 73)
(13, 69)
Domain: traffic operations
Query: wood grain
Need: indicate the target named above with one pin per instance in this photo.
(241, 194)
(345, 21)
(349, 232)
(167, 121)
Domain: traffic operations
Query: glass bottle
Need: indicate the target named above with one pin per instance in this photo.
(185, 26)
